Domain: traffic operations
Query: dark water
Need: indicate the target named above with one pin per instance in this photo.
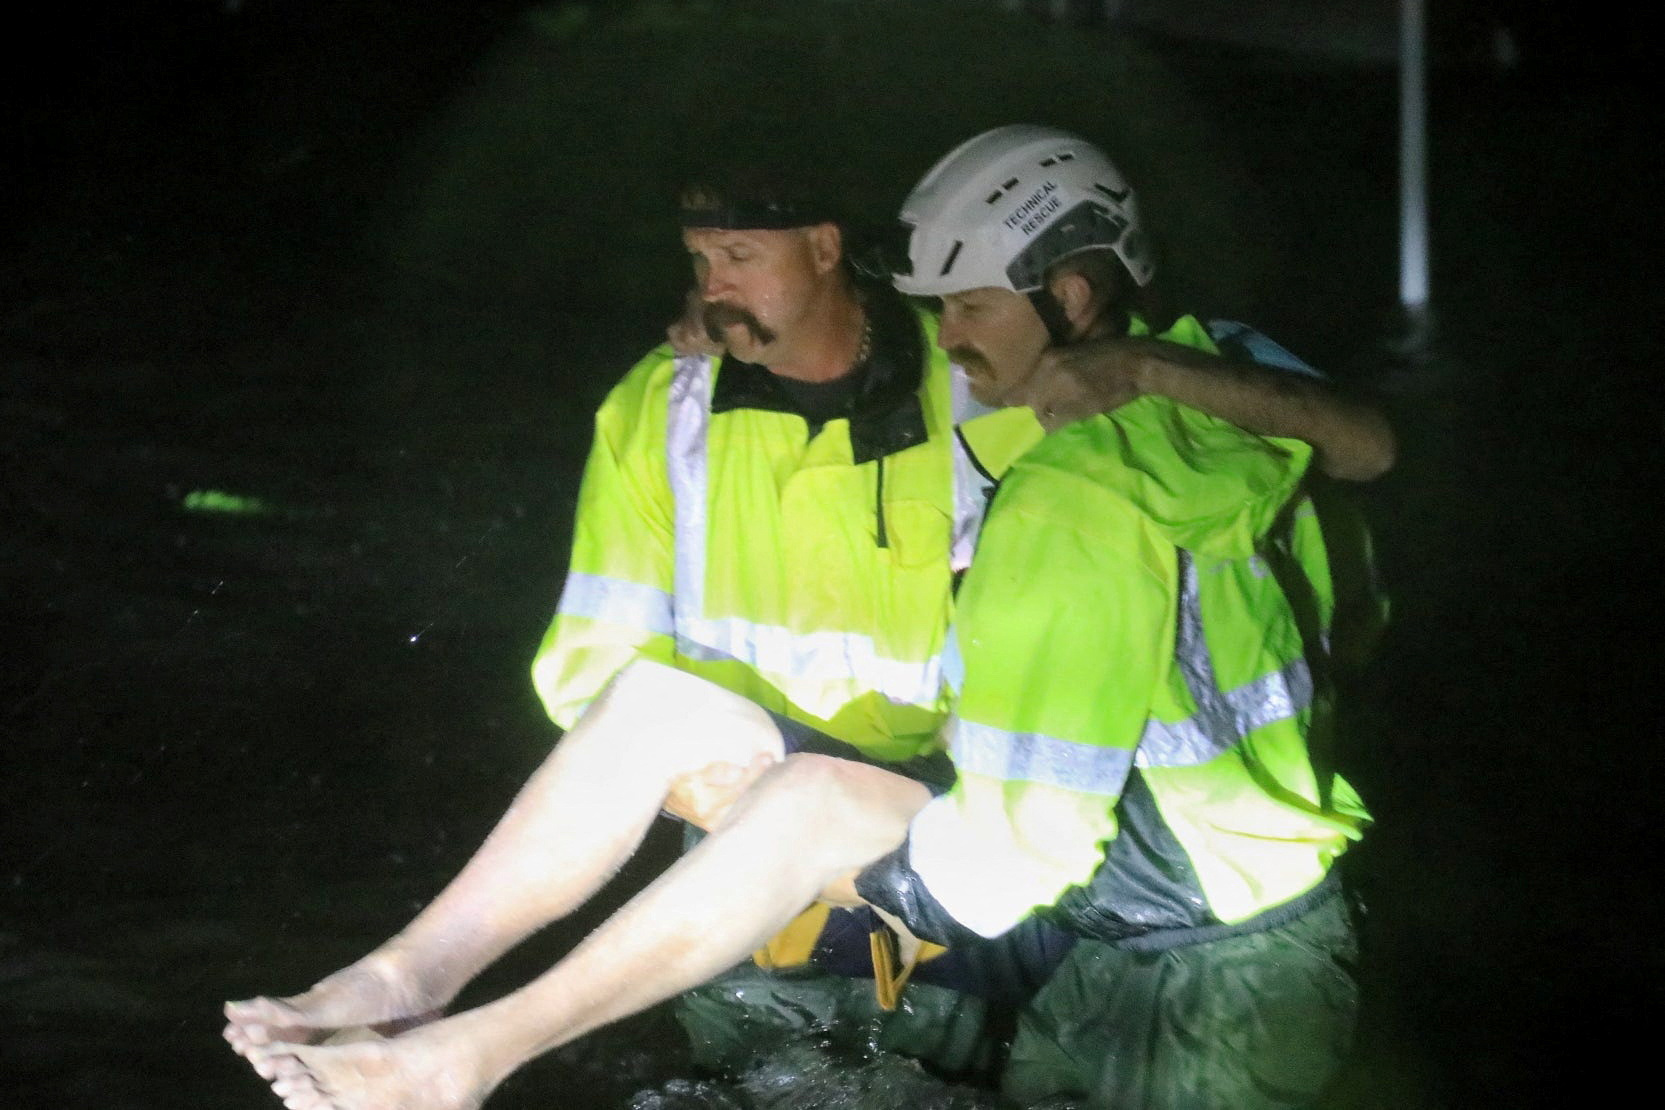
(327, 259)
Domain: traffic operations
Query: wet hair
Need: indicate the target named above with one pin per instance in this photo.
(1118, 294)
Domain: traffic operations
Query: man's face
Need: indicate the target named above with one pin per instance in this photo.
(996, 335)
(755, 285)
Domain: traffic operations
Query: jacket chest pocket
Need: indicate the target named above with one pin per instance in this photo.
(913, 534)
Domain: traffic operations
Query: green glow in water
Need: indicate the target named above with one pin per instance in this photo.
(218, 501)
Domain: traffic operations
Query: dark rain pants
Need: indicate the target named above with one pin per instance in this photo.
(1257, 1021)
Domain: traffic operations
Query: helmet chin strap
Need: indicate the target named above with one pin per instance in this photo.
(1112, 319)
(1052, 315)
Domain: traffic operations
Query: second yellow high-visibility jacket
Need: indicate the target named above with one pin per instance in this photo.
(1139, 732)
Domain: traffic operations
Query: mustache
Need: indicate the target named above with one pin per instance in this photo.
(720, 316)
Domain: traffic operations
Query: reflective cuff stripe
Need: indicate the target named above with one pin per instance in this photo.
(1223, 718)
(1033, 757)
(617, 601)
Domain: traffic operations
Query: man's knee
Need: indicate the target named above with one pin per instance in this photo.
(650, 708)
(852, 812)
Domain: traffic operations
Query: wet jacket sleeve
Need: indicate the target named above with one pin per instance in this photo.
(1063, 621)
(616, 603)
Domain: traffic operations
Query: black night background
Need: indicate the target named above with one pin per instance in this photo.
(304, 308)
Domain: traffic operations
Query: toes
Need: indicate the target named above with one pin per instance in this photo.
(256, 1017)
(293, 1083)
(304, 1100)
(298, 1088)
(273, 1065)
(247, 1010)
(238, 1038)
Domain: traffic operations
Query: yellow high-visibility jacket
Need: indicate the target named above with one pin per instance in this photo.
(807, 569)
(1139, 727)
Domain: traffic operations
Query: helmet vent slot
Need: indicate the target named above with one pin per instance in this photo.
(952, 255)
(1000, 192)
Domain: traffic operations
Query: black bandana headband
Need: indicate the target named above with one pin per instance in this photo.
(752, 216)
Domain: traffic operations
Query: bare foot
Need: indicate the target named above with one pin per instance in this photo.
(373, 995)
(422, 1070)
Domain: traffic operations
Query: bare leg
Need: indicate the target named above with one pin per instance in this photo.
(803, 825)
(577, 820)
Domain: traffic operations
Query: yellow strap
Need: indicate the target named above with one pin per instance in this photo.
(888, 977)
(793, 945)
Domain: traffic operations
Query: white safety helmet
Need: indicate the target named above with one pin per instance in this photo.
(1002, 208)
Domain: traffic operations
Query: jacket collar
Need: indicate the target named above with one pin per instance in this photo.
(885, 415)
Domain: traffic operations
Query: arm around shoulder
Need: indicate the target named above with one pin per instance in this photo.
(1351, 439)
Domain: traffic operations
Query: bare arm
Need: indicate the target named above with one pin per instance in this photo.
(1351, 440)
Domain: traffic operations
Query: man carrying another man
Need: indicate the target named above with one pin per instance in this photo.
(695, 548)
(1139, 733)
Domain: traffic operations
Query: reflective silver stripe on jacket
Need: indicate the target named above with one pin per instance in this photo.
(819, 657)
(619, 602)
(1035, 757)
(971, 486)
(688, 422)
(1223, 717)
(953, 663)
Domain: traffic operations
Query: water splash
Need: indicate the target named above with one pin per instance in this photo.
(805, 1076)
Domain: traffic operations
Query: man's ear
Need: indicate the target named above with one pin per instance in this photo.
(1075, 295)
(826, 246)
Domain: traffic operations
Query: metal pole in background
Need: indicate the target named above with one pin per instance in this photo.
(1413, 179)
